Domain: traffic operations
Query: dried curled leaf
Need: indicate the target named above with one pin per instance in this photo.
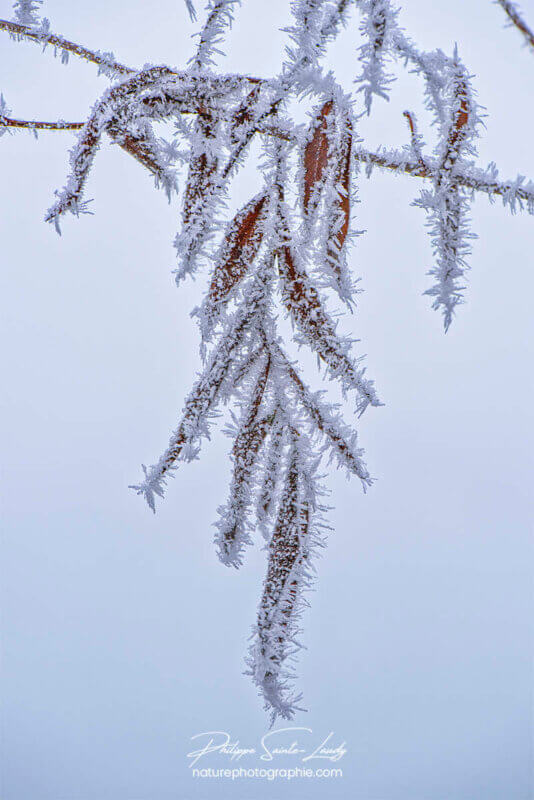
(279, 605)
(240, 247)
(340, 210)
(200, 402)
(232, 535)
(315, 158)
(113, 102)
(304, 304)
(340, 438)
(273, 459)
(199, 192)
(458, 128)
(202, 167)
(142, 146)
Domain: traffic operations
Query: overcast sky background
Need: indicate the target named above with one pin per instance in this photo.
(123, 634)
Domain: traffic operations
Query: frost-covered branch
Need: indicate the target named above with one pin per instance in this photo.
(290, 242)
(39, 125)
(516, 194)
(512, 12)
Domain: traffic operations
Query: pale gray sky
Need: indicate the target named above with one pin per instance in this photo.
(123, 634)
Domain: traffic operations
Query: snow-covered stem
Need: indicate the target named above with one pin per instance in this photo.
(103, 116)
(416, 140)
(306, 34)
(447, 205)
(104, 61)
(514, 193)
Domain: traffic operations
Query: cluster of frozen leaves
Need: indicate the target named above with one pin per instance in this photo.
(286, 247)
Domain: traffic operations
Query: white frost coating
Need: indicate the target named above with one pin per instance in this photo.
(249, 432)
(447, 205)
(220, 16)
(5, 112)
(295, 541)
(191, 10)
(184, 444)
(286, 247)
(450, 100)
(26, 12)
(378, 26)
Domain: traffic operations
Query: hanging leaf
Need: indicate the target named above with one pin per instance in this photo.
(199, 191)
(277, 624)
(316, 155)
(340, 438)
(458, 128)
(232, 535)
(142, 145)
(340, 210)
(271, 471)
(241, 244)
(304, 304)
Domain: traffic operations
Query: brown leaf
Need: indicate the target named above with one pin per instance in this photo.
(316, 155)
(239, 250)
(287, 552)
(304, 304)
(300, 296)
(247, 444)
(458, 128)
(138, 145)
(271, 470)
(328, 426)
(200, 178)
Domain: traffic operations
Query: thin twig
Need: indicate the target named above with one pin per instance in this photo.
(26, 32)
(415, 138)
(64, 44)
(33, 124)
(393, 162)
